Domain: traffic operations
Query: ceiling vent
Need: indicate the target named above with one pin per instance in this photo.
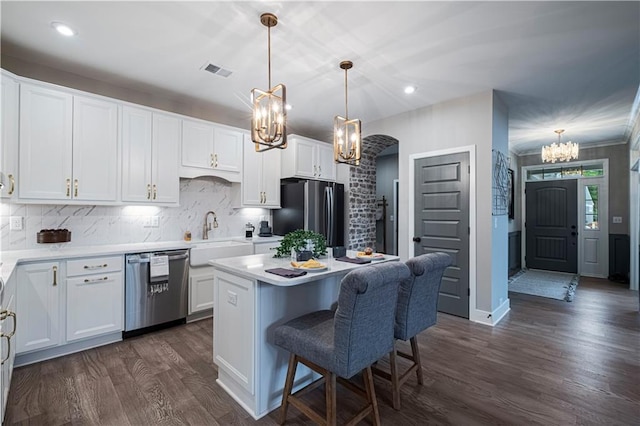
(214, 69)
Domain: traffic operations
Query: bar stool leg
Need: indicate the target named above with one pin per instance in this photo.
(416, 358)
(330, 396)
(371, 395)
(288, 385)
(395, 379)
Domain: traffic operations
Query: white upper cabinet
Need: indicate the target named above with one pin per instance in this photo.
(260, 178)
(9, 135)
(211, 150)
(68, 146)
(150, 148)
(308, 159)
(46, 143)
(95, 150)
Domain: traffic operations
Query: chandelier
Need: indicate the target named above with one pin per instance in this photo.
(268, 123)
(347, 139)
(559, 151)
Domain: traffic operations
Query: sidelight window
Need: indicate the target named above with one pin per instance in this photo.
(591, 207)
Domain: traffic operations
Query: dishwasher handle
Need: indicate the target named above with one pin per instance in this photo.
(138, 259)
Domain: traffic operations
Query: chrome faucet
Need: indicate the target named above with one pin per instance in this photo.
(207, 226)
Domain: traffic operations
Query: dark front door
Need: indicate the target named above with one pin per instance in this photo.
(442, 223)
(551, 221)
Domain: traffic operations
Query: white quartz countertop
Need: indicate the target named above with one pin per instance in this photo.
(253, 267)
(10, 258)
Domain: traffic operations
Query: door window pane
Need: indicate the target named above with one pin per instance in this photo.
(591, 207)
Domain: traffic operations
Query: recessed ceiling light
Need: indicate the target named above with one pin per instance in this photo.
(63, 29)
(409, 89)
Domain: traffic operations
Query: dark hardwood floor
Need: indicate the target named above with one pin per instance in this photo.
(548, 362)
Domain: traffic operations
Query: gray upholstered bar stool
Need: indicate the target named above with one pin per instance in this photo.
(417, 311)
(339, 344)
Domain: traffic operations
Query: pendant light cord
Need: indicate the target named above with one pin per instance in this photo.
(269, 52)
(346, 100)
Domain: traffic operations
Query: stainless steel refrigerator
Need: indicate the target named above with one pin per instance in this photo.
(313, 205)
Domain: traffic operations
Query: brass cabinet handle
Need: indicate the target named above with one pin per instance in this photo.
(4, 314)
(212, 162)
(95, 280)
(55, 276)
(155, 191)
(13, 184)
(315, 170)
(68, 187)
(319, 171)
(95, 266)
(75, 188)
(8, 347)
(149, 192)
(215, 156)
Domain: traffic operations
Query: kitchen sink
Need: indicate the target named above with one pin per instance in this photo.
(203, 251)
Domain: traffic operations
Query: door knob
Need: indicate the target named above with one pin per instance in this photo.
(417, 239)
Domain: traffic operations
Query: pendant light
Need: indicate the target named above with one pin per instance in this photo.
(269, 120)
(347, 137)
(560, 151)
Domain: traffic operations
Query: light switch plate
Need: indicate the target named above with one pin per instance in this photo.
(15, 223)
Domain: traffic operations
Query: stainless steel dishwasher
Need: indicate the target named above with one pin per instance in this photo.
(156, 290)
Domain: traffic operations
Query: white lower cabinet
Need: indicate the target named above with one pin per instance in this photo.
(64, 302)
(95, 297)
(38, 302)
(266, 248)
(7, 340)
(200, 289)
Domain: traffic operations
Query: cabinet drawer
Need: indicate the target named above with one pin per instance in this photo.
(94, 265)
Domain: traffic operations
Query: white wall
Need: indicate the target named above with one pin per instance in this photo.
(457, 123)
(500, 234)
(90, 225)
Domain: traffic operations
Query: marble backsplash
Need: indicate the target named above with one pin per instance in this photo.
(91, 225)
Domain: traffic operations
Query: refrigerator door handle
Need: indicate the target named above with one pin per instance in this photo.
(325, 207)
(330, 214)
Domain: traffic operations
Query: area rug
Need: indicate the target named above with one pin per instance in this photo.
(553, 285)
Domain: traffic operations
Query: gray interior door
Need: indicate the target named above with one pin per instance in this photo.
(551, 221)
(442, 223)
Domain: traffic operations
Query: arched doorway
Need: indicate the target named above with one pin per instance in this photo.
(362, 193)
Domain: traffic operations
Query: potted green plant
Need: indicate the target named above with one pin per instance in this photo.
(301, 240)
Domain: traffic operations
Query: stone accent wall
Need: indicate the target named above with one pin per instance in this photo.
(362, 193)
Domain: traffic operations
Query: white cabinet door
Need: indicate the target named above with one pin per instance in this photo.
(197, 144)
(95, 149)
(252, 192)
(94, 305)
(305, 158)
(201, 290)
(136, 154)
(326, 166)
(227, 150)
(165, 178)
(38, 303)
(266, 248)
(8, 340)
(9, 141)
(271, 178)
(45, 143)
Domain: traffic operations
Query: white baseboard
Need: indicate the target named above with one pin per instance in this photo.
(491, 318)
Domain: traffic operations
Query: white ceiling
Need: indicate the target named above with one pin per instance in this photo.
(571, 65)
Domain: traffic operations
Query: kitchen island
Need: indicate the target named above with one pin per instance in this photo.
(249, 304)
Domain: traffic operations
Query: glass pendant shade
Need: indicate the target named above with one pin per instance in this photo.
(560, 151)
(347, 134)
(269, 118)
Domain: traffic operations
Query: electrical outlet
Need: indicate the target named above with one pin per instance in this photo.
(155, 221)
(232, 298)
(15, 223)
(617, 219)
(146, 221)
